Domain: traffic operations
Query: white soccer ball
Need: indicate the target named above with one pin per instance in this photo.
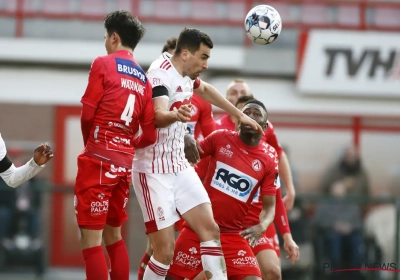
(263, 24)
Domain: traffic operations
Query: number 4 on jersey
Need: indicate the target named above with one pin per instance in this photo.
(129, 109)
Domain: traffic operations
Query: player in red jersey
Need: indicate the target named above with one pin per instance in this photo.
(241, 165)
(236, 89)
(267, 249)
(118, 99)
(203, 123)
(164, 182)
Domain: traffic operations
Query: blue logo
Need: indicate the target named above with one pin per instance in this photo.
(127, 67)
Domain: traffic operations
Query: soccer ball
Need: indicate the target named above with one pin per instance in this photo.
(263, 24)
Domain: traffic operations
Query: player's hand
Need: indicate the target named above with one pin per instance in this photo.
(192, 149)
(288, 200)
(244, 119)
(42, 154)
(291, 248)
(184, 113)
(253, 234)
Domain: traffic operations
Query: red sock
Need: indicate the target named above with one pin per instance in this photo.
(142, 267)
(119, 260)
(95, 263)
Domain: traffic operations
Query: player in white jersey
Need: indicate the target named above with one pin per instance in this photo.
(15, 176)
(165, 184)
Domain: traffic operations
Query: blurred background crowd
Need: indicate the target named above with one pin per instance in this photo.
(330, 83)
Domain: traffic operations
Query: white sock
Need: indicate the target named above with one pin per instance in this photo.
(155, 270)
(213, 260)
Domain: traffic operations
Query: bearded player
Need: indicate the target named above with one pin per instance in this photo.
(241, 165)
(165, 184)
(201, 124)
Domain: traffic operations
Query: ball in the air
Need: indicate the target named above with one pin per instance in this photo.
(263, 24)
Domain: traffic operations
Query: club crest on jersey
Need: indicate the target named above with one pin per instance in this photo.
(127, 67)
(233, 182)
(256, 164)
(179, 89)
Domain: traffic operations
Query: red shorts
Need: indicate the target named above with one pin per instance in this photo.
(101, 193)
(268, 241)
(240, 260)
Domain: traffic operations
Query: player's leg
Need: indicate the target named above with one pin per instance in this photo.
(270, 264)
(193, 203)
(240, 260)
(267, 251)
(156, 199)
(112, 235)
(186, 263)
(91, 208)
(145, 259)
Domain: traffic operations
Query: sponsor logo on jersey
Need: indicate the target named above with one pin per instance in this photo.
(118, 142)
(179, 89)
(128, 67)
(233, 182)
(226, 151)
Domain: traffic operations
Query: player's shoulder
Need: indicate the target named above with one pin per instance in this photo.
(270, 153)
(222, 133)
(270, 124)
(162, 63)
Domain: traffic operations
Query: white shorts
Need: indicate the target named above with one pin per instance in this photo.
(163, 196)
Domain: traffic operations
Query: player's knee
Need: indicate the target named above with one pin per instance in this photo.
(272, 273)
(164, 253)
(214, 231)
(90, 238)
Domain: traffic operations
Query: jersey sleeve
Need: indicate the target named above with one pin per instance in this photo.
(206, 120)
(270, 182)
(3, 149)
(196, 83)
(159, 78)
(273, 140)
(208, 144)
(95, 88)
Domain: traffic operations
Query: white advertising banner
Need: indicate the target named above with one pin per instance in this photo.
(350, 63)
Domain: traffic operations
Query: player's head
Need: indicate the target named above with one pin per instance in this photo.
(256, 110)
(193, 48)
(122, 31)
(236, 89)
(170, 45)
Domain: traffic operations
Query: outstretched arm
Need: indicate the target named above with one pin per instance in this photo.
(15, 176)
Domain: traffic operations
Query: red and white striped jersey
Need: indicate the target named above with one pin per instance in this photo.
(167, 155)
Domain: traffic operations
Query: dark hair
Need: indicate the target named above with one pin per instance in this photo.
(244, 99)
(258, 102)
(191, 39)
(170, 44)
(128, 27)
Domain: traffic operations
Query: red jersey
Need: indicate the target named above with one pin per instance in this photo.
(235, 174)
(119, 90)
(202, 121)
(255, 208)
(225, 122)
